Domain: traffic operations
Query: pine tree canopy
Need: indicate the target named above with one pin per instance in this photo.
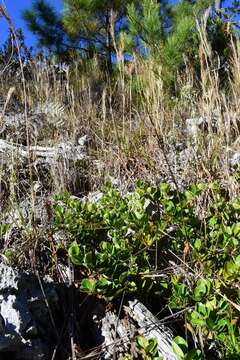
(43, 21)
(100, 27)
(96, 23)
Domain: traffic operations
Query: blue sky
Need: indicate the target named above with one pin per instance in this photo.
(15, 8)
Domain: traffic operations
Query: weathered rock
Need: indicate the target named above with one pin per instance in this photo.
(234, 154)
(39, 168)
(228, 124)
(92, 197)
(28, 330)
(43, 119)
(234, 159)
(193, 126)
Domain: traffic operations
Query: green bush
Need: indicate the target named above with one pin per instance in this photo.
(159, 242)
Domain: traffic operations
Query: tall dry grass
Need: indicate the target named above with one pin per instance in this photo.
(138, 127)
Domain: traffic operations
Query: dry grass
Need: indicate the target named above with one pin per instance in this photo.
(128, 115)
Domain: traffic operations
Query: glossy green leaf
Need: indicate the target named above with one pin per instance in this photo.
(75, 254)
(88, 285)
(180, 347)
(142, 342)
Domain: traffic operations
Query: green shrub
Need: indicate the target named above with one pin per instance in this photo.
(125, 244)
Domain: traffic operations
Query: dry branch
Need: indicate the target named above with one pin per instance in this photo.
(49, 154)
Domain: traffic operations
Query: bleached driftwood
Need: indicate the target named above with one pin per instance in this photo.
(119, 334)
(46, 154)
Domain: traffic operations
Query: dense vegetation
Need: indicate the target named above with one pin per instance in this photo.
(157, 243)
(131, 73)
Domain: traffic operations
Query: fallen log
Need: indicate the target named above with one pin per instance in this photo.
(120, 333)
(48, 154)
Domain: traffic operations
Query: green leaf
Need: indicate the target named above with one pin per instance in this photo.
(236, 229)
(75, 254)
(237, 261)
(180, 347)
(4, 228)
(141, 342)
(221, 324)
(197, 319)
(123, 277)
(103, 283)
(197, 244)
(88, 260)
(152, 347)
(165, 188)
(232, 268)
(139, 214)
(194, 354)
(88, 285)
(203, 309)
(202, 289)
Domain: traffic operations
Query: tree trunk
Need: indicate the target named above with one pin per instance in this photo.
(109, 42)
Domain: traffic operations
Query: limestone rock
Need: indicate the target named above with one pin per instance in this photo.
(28, 327)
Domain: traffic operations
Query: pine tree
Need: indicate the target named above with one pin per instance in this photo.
(90, 26)
(43, 21)
(149, 27)
(96, 24)
(9, 51)
(168, 44)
